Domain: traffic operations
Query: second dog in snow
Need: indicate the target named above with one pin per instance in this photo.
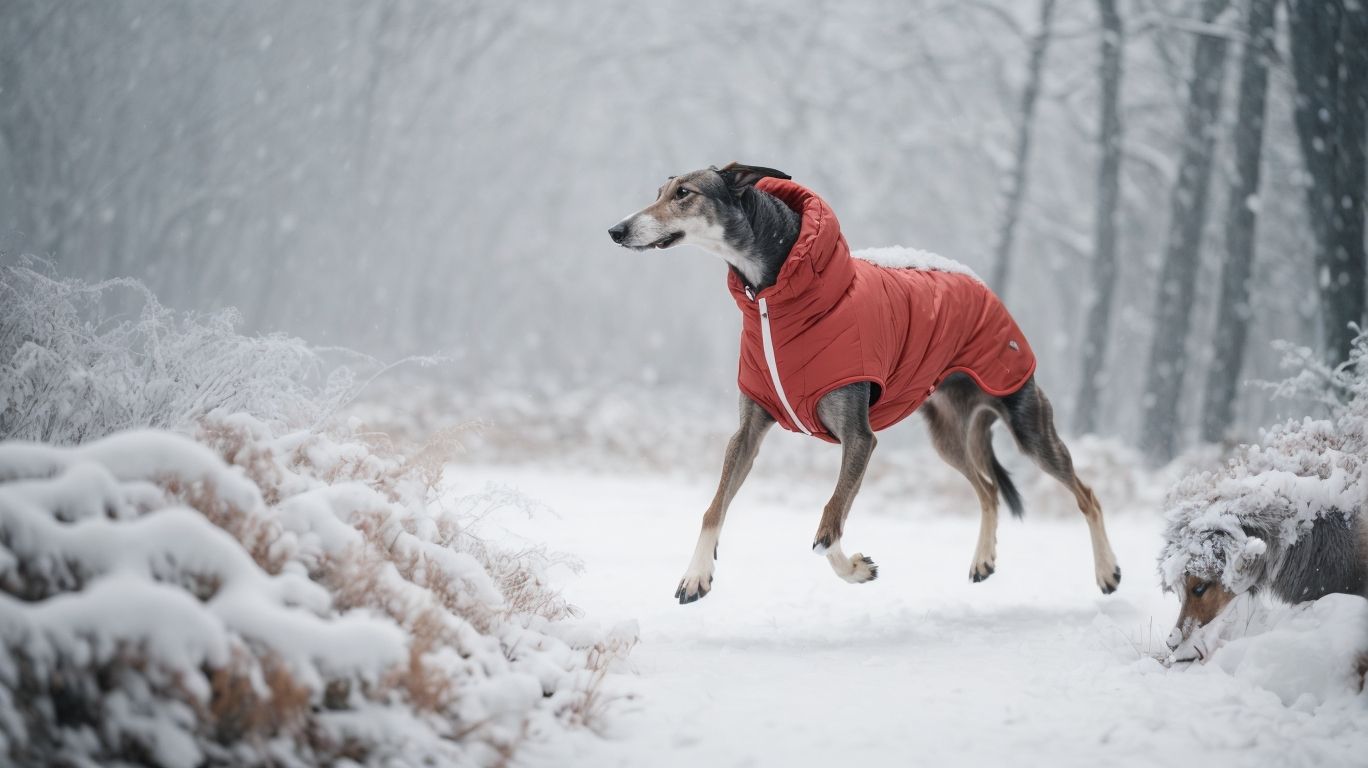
(1286, 518)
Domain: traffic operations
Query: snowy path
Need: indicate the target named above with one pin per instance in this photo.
(785, 665)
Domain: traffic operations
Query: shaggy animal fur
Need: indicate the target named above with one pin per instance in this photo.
(1303, 561)
(1286, 518)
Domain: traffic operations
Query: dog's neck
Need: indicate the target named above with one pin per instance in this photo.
(757, 244)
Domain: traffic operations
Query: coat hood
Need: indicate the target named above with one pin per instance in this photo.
(818, 269)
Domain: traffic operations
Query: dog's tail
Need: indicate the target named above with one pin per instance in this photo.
(1008, 490)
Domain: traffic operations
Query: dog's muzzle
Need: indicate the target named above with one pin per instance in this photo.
(618, 231)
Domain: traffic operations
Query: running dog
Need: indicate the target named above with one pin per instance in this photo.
(839, 346)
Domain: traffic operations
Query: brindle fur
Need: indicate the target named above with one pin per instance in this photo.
(721, 211)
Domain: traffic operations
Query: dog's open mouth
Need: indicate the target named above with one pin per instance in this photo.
(664, 242)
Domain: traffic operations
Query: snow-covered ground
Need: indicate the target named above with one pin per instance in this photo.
(783, 664)
(281, 535)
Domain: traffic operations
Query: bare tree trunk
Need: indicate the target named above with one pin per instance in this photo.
(27, 134)
(1353, 165)
(1104, 230)
(1016, 184)
(1330, 67)
(1178, 276)
(1232, 308)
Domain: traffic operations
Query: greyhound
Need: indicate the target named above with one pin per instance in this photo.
(722, 211)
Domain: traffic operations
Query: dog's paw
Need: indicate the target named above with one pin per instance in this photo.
(693, 587)
(981, 570)
(1108, 582)
(861, 569)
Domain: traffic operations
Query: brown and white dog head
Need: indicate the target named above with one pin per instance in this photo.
(1203, 600)
(1231, 564)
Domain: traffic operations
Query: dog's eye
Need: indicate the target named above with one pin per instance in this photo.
(1200, 589)
(682, 193)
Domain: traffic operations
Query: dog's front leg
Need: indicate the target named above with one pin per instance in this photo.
(741, 450)
(845, 414)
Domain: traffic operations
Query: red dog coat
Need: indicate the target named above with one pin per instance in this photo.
(831, 320)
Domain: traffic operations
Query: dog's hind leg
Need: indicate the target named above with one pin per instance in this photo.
(845, 414)
(1031, 419)
(979, 437)
(960, 428)
(741, 450)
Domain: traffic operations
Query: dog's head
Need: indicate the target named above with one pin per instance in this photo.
(1219, 561)
(1203, 600)
(703, 208)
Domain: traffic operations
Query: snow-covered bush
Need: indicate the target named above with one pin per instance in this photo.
(239, 586)
(82, 360)
(1336, 387)
(299, 603)
(1222, 522)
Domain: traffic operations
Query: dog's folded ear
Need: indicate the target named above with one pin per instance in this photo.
(739, 176)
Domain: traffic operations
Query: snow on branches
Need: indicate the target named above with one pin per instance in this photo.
(155, 607)
(264, 592)
(80, 360)
(1221, 523)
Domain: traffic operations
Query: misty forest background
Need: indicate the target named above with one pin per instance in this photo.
(1160, 189)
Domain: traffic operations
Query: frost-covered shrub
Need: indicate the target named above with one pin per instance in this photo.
(266, 593)
(1336, 387)
(297, 604)
(76, 365)
(1232, 524)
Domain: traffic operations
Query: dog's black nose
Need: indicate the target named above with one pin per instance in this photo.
(618, 231)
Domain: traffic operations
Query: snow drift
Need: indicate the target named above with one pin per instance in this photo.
(1307, 654)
